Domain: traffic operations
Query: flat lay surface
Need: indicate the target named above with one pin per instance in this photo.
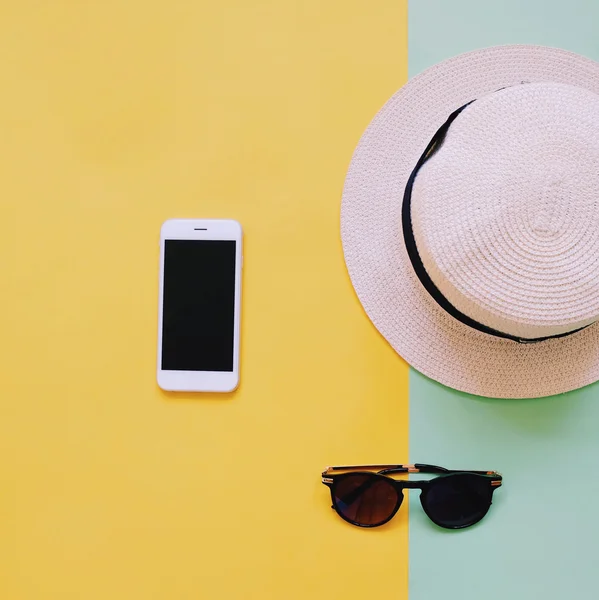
(539, 537)
(116, 116)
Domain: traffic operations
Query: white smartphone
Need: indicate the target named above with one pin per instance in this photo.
(199, 305)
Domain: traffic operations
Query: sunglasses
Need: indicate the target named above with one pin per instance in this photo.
(454, 500)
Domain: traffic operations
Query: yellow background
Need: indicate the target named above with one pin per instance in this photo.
(115, 116)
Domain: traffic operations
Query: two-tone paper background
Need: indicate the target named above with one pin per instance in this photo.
(115, 116)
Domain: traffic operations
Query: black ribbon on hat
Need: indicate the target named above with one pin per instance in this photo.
(410, 241)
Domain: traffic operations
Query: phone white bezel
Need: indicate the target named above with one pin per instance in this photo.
(201, 229)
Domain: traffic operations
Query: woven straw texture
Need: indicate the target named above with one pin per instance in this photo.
(505, 217)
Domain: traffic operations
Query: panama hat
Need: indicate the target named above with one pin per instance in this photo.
(470, 221)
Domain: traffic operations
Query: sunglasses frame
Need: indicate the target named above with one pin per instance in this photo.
(331, 479)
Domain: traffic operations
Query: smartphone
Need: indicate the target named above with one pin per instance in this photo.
(199, 305)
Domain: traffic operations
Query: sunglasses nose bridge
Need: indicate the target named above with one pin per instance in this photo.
(412, 485)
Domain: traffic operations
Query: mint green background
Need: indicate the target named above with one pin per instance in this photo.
(541, 537)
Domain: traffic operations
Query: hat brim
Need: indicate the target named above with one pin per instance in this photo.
(420, 331)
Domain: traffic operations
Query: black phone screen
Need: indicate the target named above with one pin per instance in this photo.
(198, 312)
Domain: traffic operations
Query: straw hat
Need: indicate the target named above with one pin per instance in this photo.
(470, 221)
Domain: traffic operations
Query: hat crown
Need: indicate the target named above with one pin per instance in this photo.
(506, 212)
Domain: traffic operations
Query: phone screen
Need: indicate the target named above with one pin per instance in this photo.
(198, 313)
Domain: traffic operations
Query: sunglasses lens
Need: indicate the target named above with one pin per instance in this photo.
(365, 499)
(456, 501)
